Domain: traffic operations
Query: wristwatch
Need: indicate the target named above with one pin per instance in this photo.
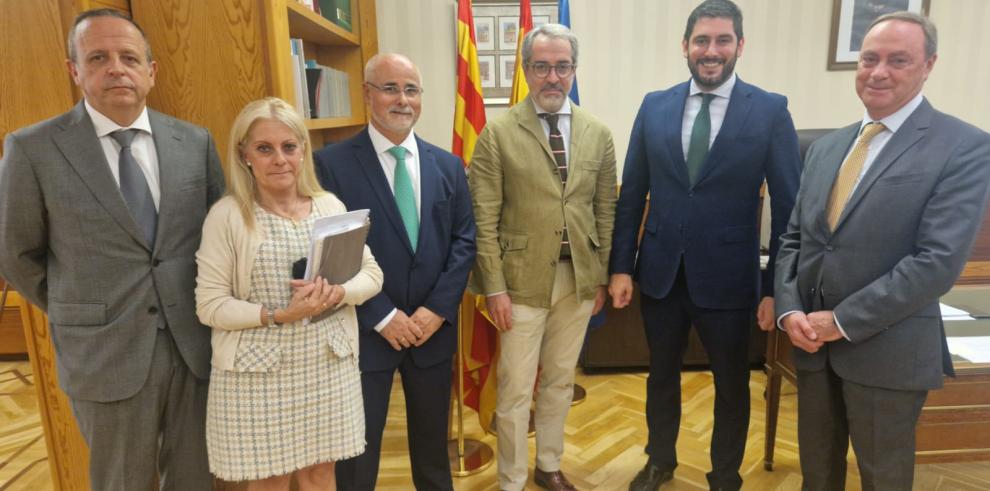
(271, 318)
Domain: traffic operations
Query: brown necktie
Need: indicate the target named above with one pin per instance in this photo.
(560, 157)
(849, 173)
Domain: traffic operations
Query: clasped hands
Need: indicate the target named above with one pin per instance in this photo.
(311, 298)
(810, 331)
(404, 331)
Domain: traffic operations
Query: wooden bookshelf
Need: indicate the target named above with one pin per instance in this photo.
(214, 57)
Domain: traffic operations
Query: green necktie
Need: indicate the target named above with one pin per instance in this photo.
(404, 196)
(700, 134)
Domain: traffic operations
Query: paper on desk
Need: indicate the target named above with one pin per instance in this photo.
(975, 349)
(951, 313)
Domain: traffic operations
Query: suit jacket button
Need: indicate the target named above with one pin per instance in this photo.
(553, 263)
(812, 291)
(828, 248)
(152, 310)
(156, 262)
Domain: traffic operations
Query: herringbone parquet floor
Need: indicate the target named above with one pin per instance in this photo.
(605, 437)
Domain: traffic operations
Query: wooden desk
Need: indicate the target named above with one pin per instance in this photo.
(955, 422)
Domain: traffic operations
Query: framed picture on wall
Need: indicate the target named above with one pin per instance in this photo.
(851, 18)
(508, 33)
(506, 70)
(484, 33)
(496, 31)
(486, 67)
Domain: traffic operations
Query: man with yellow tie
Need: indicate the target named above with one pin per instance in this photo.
(886, 215)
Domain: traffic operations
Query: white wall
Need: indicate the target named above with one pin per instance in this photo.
(630, 47)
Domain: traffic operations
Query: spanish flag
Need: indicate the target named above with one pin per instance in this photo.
(479, 339)
(520, 89)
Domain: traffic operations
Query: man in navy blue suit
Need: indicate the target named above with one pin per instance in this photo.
(422, 235)
(702, 150)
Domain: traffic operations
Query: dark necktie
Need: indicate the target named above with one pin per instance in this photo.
(556, 140)
(700, 135)
(134, 187)
(405, 197)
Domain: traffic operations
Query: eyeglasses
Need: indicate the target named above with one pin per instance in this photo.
(393, 90)
(542, 70)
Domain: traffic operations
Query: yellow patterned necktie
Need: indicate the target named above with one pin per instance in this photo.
(849, 173)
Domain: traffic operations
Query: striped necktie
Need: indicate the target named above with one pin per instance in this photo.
(556, 140)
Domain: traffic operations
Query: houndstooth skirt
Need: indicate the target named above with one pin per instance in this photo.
(293, 398)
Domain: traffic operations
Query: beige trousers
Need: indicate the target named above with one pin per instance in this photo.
(551, 340)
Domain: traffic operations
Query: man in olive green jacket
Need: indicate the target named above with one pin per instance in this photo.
(544, 188)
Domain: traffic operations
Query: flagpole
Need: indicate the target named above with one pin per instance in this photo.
(467, 456)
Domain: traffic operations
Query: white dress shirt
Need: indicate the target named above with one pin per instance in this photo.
(382, 145)
(142, 148)
(387, 161)
(563, 124)
(716, 110)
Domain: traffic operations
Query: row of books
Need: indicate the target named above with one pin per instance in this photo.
(321, 91)
(336, 11)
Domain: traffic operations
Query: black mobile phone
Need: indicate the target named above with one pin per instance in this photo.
(299, 269)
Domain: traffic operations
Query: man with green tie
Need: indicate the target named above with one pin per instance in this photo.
(422, 235)
(702, 150)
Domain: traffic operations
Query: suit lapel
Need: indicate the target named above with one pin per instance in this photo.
(735, 118)
(831, 162)
(171, 157)
(372, 168)
(579, 125)
(530, 122)
(429, 190)
(907, 135)
(81, 148)
(672, 114)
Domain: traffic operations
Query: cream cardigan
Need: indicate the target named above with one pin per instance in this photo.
(225, 258)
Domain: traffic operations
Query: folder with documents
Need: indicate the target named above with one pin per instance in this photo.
(337, 248)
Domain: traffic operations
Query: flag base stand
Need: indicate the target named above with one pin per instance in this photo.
(467, 456)
(475, 457)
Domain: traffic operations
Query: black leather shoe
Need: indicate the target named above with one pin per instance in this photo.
(650, 478)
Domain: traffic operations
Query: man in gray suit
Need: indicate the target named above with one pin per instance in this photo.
(887, 212)
(100, 217)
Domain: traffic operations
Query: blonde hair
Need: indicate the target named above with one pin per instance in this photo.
(240, 179)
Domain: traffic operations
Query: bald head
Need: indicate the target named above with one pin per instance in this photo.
(396, 60)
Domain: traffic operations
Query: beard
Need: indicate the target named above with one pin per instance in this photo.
(728, 66)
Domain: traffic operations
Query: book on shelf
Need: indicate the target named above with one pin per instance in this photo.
(337, 249)
(299, 77)
(336, 11)
(328, 90)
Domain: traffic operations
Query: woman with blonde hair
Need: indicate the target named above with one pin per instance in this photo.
(285, 393)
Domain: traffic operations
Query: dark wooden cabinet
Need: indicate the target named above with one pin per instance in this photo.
(621, 342)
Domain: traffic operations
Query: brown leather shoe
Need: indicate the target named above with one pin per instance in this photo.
(554, 481)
